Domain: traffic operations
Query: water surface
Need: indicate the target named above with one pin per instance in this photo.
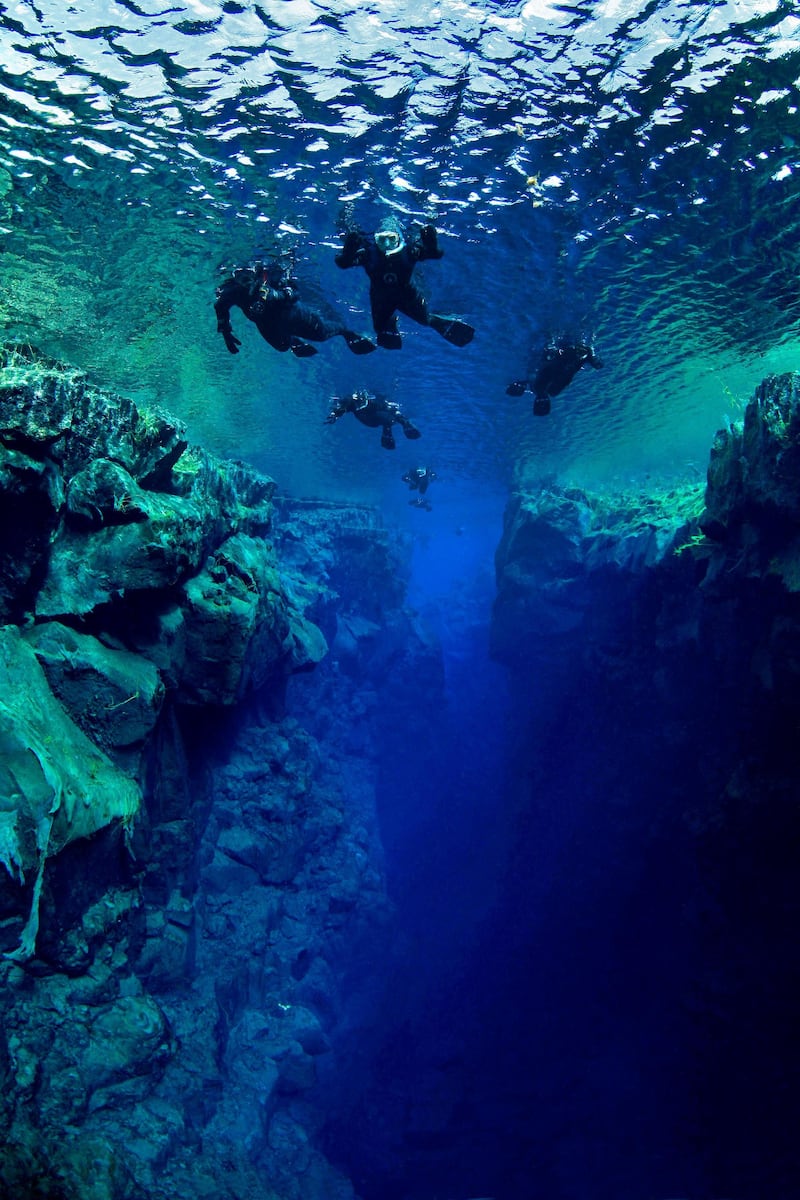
(622, 169)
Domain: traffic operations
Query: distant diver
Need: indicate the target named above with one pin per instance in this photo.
(389, 256)
(267, 295)
(558, 365)
(376, 412)
(419, 479)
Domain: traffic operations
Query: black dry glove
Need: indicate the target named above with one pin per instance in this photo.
(429, 241)
(352, 252)
(231, 342)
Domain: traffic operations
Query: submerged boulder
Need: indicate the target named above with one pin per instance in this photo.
(240, 626)
(113, 695)
(52, 411)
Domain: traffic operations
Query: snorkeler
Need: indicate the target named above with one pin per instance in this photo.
(419, 479)
(389, 257)
(374, 412)
(558, 365)
(267, 295)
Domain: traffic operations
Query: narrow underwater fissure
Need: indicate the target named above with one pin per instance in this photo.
(588, 994)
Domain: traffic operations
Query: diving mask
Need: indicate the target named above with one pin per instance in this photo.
(389, 241)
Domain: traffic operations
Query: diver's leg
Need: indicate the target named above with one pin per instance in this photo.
(384, 321)
(387, 438)
(452, 329)
(409, 428)
(308, 323)
(277, 337)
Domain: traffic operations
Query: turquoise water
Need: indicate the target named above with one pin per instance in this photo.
(629, 170)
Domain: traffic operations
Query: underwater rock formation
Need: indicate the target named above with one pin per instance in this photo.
(557, 540)
(156, 551)
(55, 784)
(187, 887)
(653, 646)
(753, 495)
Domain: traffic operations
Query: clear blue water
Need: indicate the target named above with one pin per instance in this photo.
(626, 169)
(619, 168)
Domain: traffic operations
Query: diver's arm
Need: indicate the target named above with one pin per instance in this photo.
(427, 243)
(353, 252)
(339, 406)
(226, 298)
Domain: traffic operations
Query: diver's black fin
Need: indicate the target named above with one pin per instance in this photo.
(453, 330)
(359, 344)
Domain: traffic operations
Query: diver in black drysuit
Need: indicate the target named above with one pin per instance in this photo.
(558, 365)
(374, 412)
(267, 295)
(389, 256)
(419, 480)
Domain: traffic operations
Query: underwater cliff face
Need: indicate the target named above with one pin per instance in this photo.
(185, 886)
(653, 655)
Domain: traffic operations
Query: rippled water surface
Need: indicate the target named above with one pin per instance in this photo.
(619, 168)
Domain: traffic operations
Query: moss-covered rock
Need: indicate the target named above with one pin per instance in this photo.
(53, 412)
(55, 784)
(135, 535)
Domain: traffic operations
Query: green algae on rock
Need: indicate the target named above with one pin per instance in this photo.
(140, 571)
(55, 784)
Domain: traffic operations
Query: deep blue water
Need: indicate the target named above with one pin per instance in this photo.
(623, 169)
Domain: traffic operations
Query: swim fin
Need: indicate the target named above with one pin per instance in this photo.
(302, 349)
(359, 344)
(411, 431)
(453, 330)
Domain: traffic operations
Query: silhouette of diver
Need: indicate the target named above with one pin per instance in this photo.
(419, 480)
(267, 295)
(389, 257)
(558, 365)
(374, 412)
